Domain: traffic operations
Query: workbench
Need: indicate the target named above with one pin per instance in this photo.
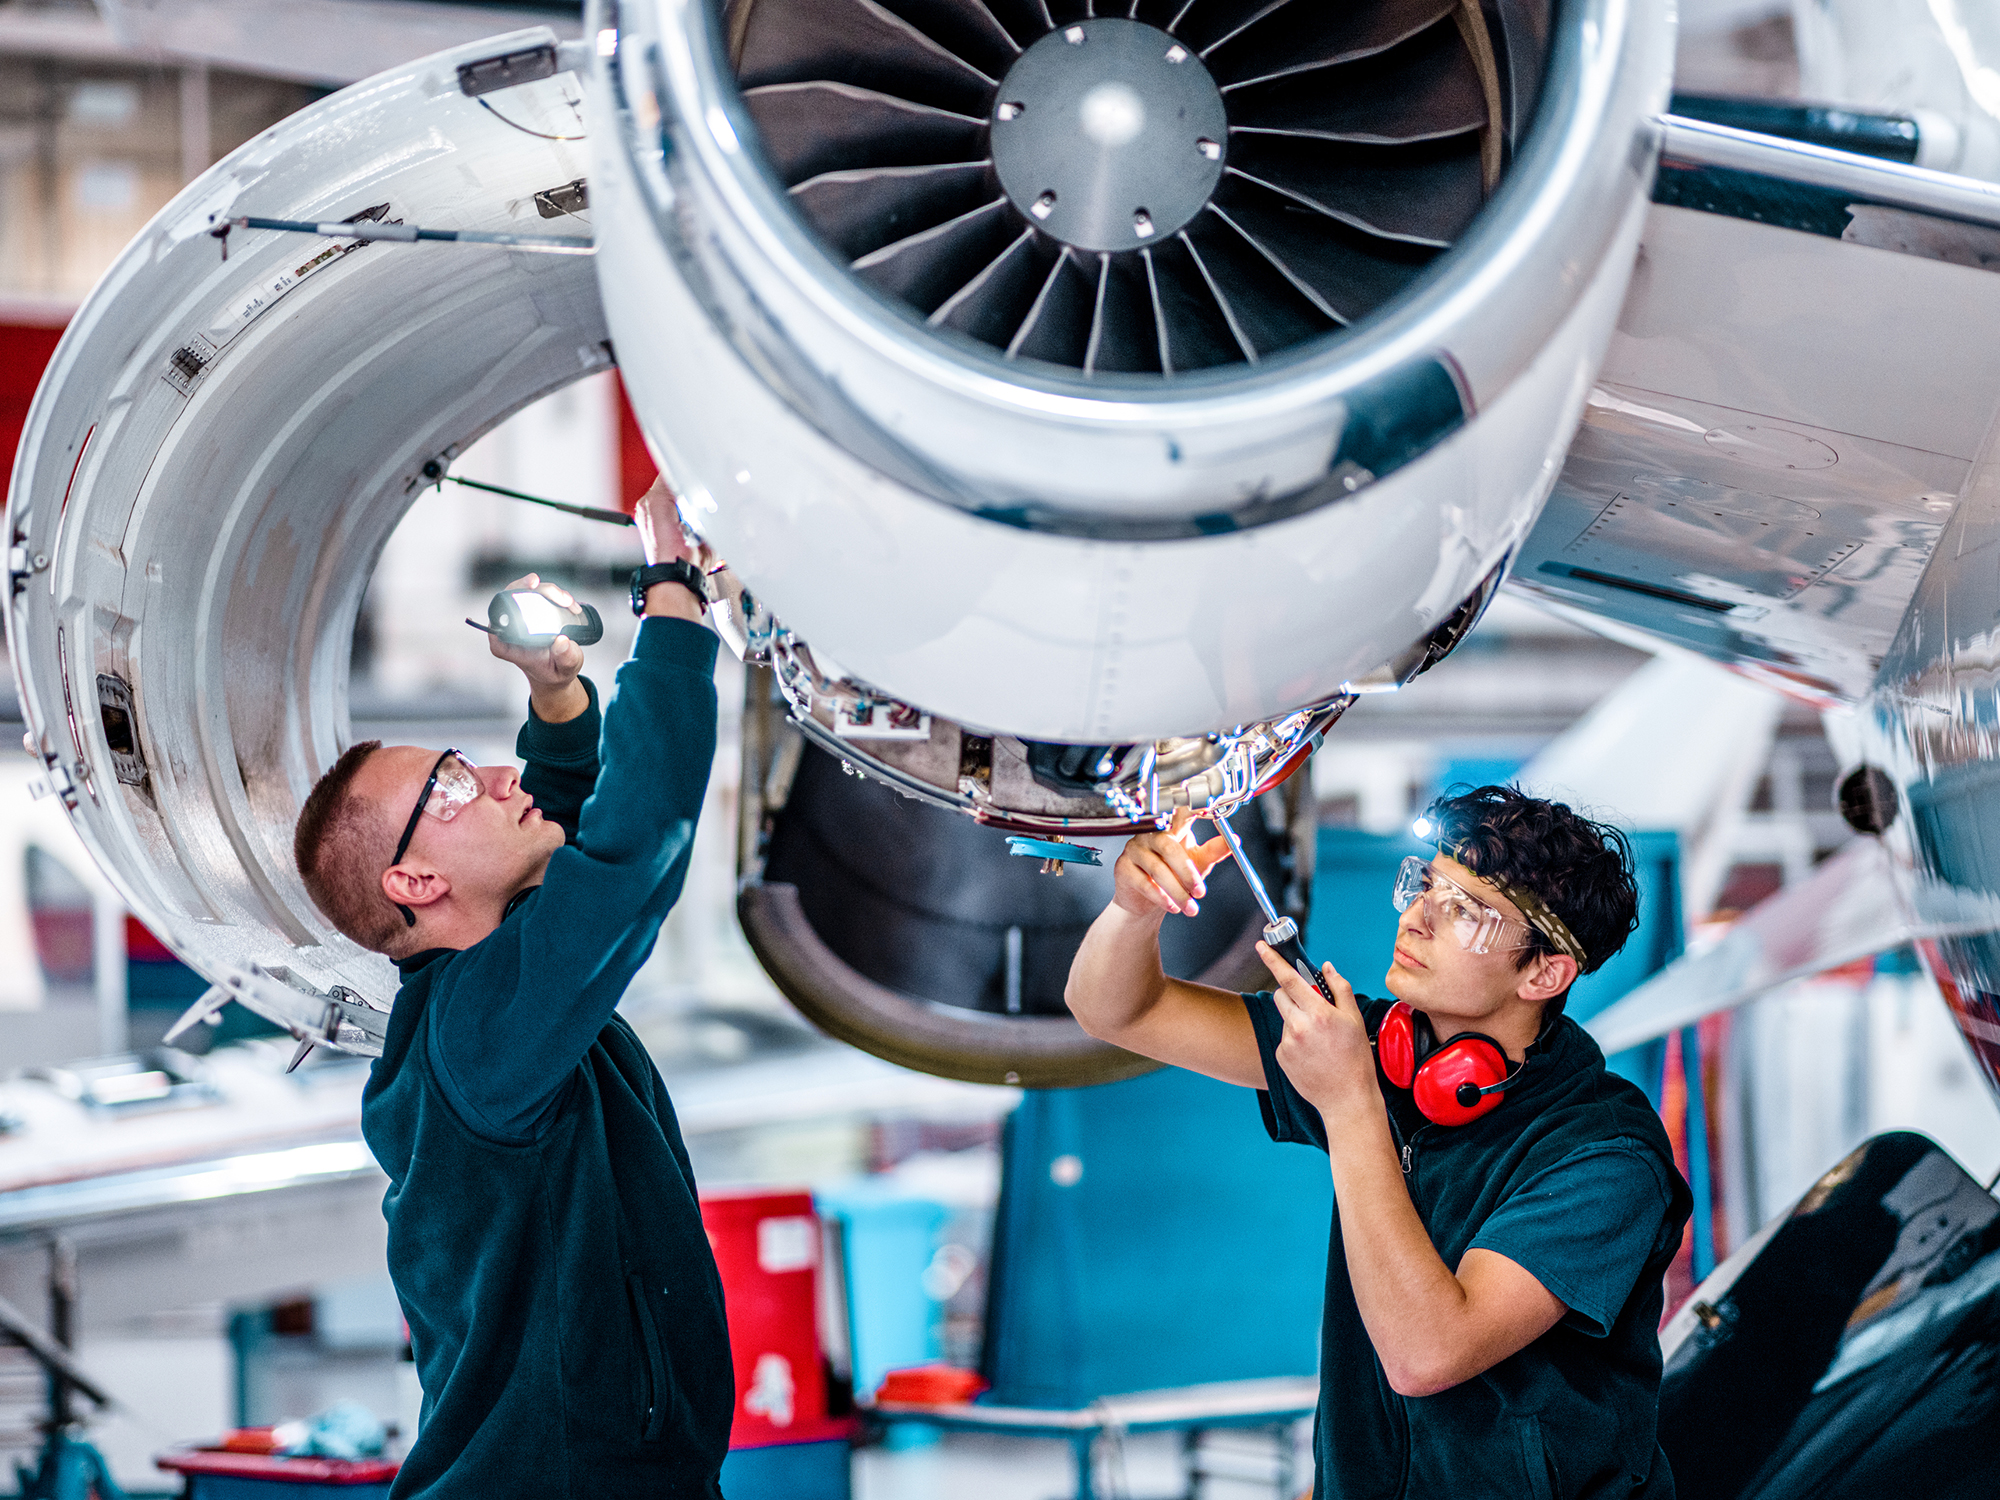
(1191, 1410)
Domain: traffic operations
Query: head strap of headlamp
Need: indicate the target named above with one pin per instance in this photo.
(1532, 907)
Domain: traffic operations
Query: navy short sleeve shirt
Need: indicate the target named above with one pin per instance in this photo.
(1584, 1227)
(1572, 1178)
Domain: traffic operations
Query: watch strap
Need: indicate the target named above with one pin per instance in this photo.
(680, 571)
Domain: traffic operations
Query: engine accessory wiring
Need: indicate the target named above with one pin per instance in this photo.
(538, 134)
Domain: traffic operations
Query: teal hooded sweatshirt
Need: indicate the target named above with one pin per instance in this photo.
(545, 1240)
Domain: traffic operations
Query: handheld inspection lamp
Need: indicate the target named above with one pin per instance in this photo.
(530, 618)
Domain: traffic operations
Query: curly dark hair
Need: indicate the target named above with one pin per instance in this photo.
(1580, 869)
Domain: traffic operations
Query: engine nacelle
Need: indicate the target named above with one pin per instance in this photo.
(1016, 462)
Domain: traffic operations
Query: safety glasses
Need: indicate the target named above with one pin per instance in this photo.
(1476, 926)
(451, 786)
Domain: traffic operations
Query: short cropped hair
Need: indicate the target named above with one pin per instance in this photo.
(341, 846)
(1579, 868)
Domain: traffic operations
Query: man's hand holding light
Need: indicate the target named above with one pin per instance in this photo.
(553, 691)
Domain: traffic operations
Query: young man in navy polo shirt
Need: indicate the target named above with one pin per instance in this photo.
(1505, 1208)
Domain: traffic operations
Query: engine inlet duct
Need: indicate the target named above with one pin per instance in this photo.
(1151, 187)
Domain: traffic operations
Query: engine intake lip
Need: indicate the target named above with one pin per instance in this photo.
(1121, 456)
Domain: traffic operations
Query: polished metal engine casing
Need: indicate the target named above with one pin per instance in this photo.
(1174, 557)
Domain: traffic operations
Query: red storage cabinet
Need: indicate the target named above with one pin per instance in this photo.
(25, 349)
(767, 1247)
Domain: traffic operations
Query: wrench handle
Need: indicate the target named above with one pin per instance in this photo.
(1293, 951)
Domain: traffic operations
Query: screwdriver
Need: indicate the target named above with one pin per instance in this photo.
(1282, 933)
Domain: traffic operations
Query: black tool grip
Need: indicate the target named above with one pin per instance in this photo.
(1293, 951)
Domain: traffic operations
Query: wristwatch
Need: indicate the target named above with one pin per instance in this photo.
(680, 571)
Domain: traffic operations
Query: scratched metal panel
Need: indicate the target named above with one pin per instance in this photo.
(1779, 432)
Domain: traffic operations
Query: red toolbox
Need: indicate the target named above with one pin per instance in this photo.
(215, 1474)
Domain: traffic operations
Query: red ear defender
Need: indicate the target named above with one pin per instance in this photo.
(1453, 1084)
(1397, 1046)
(1461, 1081)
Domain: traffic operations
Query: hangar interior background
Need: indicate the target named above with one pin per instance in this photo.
(101, 121)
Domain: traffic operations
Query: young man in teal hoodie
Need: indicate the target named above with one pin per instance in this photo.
(544, 1235)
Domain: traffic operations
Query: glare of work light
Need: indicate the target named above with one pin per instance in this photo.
(540, 615)
(1421, 828)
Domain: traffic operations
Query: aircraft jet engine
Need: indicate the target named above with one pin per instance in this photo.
(1098, 399)
(1104, 379)
(1089, 405)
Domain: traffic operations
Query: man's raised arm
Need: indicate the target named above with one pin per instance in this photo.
(515, 1014)
(1119, 993)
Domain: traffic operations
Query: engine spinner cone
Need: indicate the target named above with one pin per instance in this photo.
(1109, 134)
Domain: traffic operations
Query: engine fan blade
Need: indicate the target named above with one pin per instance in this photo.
(1160, 13)
(1161, 343)
(1200, 331)
(811, 128)
(1352, 274)
(1207, 24)
(1199, 23)
(1271, 308)
(860, 212)
(926, 268)
(994, 303)
(964, 27)
(1027, 21)
(1237, 329)
(857, 42)
(1124, 325)
(1057, 328)
(1425, 89)
(1423, 194)
(1307, 35)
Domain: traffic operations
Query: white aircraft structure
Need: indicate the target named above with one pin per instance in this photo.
(1091, 400)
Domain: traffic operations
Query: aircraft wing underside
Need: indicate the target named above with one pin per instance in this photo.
(1781, 426)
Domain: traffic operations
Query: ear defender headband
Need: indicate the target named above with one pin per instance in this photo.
(1451, 1083)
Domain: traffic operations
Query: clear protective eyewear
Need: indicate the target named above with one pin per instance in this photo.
(452, 786)
(1475, 925)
